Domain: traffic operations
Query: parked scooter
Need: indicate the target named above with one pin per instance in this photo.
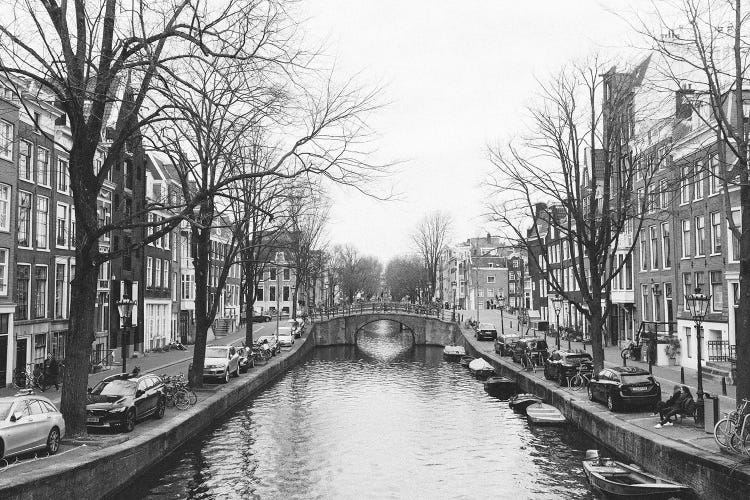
(177, 345)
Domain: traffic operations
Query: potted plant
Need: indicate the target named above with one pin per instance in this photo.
(673, 348)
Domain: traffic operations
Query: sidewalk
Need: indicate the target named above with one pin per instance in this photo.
(668, 376)
(157, 362)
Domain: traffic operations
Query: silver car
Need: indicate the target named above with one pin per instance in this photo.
(29, 422)
(222, 361)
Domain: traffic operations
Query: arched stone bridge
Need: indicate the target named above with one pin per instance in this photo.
(426, 325)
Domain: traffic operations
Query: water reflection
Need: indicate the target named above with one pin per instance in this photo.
(384, 419)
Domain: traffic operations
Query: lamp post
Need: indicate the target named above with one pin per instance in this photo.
(125, 308)
(278, 302)
(557, 305)
(501, 304)
(698, 306)
(293, 289)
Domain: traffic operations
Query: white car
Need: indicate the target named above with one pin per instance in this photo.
(286, 338)
(29, 422)
(222, 361)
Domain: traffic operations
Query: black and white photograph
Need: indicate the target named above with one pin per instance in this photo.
(359, 249)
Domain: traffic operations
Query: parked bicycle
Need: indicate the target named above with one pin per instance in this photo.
(177, 392)
(733, 431)
(580, 380)
(527, 361)
(28, 378)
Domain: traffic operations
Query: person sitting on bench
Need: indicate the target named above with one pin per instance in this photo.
(663, 407)
(685, 405)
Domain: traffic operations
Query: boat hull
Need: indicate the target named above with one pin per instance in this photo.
(501, 387)
(622, 481)
(544, 414)
(521, 401)
(453, 352)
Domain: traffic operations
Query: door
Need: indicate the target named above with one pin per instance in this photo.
(4, 318)
(22, 434)
(21, 350)
(40, 424)
(184, 319)
(144, 404)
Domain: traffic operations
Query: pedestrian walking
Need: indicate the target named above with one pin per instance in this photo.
(51, 372)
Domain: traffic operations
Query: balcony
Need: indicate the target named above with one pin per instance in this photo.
(721, 351)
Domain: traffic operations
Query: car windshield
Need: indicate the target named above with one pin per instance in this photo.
(578, 358)
(638, 378)
(216, 352)
(5, 407)
(115, 388)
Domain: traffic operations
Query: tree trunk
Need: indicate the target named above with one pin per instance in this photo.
(250, 301)
(597, 349)
(742, 342)
(78, 346)
(202, 238)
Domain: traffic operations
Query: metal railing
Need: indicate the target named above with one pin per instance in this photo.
(426, 310)
(721, 351)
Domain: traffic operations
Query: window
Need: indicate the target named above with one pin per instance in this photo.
(715, 175)
(42, 166)
(6, 140)
(490, 279)
(72, 228)
(287, 274)
(4, 271)
(24, 219)
(149, 271)
(654, 245)
(641, 201)
(23, 290)
(664, 191)
(700, 281)
(689, 340)
(644, 301)
(259, 293)
(272, 293)
(272, 274)
(644, 252)
(285, 294)
(63, 176)
(715, 233)
(24, 160)
(62, 225)
(187, 287)
(5, 192)
(666, 245)
(685, 239)
(685, 186)
(60, 291)
(737, 219)
(700, 235)
(40, 291)
(717, 291)
(157, 274)
(700, 176)
(687, 289)
(628, 273)
(165, 276)
(42, 222)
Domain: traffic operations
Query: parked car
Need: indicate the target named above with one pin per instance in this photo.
(504, 344)
(286, 337)
(222, 361)
(246, 360)
(120, 401)
(259, 317)
(563, 364)
(625, 387)
(486, 331)
(272, 343)
(29, 422)
(538, 348)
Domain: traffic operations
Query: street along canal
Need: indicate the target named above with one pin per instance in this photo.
(384, 419)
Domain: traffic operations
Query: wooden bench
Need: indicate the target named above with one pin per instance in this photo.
(689, 411)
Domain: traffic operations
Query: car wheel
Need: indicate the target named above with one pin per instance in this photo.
(2, 449)
(227, 375)
(591, 394)
(130, 420)
(161, 407)
(53, 441)
(611, 403)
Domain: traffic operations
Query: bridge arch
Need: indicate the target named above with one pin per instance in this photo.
(390, 320)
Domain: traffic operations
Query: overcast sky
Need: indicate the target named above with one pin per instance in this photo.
(457, 75)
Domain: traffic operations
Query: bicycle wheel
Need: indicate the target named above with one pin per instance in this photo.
(723, 431)
(192, 396)
(576, 383)
(181, 399)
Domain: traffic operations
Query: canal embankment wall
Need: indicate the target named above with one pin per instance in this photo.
(711, 475)
(106, 471)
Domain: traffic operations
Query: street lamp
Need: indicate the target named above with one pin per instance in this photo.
(697, 304)
(125, 308)
(557, 301)
(294, 302)
(501, 304)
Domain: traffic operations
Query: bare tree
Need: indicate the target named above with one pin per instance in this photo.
(430, 237)
(569, 191)
(702, 51)
(405, 276)
(354, 273)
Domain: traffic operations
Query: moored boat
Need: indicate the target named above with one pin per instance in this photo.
(481, 369)
(519, 402)
(465, 360)
(454, 352)
(501, 387)
(544, 414)
(619, 480)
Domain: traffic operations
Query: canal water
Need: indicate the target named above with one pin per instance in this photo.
(384, 419)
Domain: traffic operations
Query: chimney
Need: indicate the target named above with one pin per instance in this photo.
(489, 238)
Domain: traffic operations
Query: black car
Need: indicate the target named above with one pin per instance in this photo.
(624, 387)
(119, 401)
(259, 317)
(562, 365)
(504, 344)
(486, 331)
(538, 348)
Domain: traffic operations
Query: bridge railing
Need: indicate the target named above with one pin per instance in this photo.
(427, 310)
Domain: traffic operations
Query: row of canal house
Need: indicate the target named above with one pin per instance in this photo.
(682, 241)
(37, 242)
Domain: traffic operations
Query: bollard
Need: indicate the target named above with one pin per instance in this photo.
(723, 386)
(682, 375)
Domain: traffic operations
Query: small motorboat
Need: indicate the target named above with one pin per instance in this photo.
(465, 360)
(544, 414)
(619, 480)
(519, 402)
(501, 387)
(481, 369)
(454, 352)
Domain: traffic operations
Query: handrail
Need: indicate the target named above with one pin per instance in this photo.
(426, 310)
